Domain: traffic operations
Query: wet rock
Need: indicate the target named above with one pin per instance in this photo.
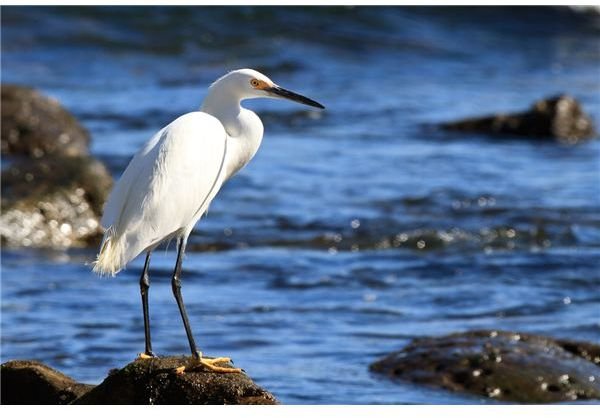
(35, 125)
(53, 202)
(154, 381)
(560, 117)
(52, 191)
(27, 382)
(148, 381)
(503, 365)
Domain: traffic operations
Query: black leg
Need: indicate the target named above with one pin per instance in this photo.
(176, 286)
(144, 287)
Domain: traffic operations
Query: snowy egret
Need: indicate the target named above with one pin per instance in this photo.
(171, 181)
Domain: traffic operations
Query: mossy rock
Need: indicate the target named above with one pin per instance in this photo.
(507, 366)
(155, 381)
(36, 126)
(27, 382)
(142, 382)
(560, 117)
(53, 202)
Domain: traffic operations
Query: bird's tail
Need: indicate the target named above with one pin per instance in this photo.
(110, 260)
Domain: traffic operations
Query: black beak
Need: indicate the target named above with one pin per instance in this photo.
(286, 94)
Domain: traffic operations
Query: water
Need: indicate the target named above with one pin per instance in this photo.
(353, 230)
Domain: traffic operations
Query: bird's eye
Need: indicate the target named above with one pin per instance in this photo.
(254, 82)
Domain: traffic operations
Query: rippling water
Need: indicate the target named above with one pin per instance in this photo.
(353, 230)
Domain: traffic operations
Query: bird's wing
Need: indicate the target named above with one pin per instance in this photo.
(167, 182)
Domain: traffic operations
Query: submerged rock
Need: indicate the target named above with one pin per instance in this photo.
(154, 381)
(559, 117)
(35, 125)
(53, 201)
(503, 365)
(144, 381)
(26, 382)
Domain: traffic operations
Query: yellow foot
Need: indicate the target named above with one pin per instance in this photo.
(144, 356)
(210, 364)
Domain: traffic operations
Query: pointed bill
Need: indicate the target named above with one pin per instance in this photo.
(290, 95)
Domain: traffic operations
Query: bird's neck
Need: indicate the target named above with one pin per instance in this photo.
(225, 106)
(244, 128)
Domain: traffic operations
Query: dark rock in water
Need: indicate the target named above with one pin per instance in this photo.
(560, 117)
(53, 201)
(27, 382)
(503, 365)
(35, 125)
(154, 381)
(144, 381)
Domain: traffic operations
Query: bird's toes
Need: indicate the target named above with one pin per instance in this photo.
(147, 355)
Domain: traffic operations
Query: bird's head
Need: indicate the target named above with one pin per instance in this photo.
(249, 84)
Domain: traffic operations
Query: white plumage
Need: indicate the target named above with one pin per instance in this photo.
(171, 181)
(166, 188)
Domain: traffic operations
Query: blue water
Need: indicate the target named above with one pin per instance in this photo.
(353, 230)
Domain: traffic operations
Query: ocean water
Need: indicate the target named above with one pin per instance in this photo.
(354, 230)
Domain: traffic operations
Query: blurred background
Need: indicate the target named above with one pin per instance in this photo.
(354, 230)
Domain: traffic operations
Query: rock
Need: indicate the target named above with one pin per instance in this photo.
(503, 365)
(52, 191)
(27, 382)
(560, 117)
(143, 381)
(53, 201)
(35, 125)
(154, 381)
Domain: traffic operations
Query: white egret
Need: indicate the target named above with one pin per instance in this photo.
(171, 181)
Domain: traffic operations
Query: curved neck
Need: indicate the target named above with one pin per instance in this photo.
(226, 107)
(243, 127)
